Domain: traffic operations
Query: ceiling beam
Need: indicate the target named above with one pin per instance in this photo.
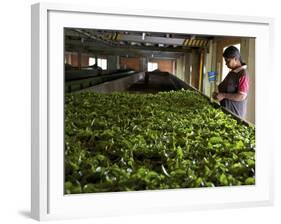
(114, 38)
(96, 45)
(122, 52)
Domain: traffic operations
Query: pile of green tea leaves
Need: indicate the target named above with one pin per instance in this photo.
(128, 142)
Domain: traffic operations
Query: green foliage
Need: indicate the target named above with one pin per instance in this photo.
(177, 139)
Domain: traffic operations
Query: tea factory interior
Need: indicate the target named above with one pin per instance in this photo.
(147, 62)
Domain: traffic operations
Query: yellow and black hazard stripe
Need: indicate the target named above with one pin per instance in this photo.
(195, 42)
(185, 42)
(114, 37)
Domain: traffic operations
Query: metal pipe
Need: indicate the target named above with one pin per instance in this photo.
(201, 70)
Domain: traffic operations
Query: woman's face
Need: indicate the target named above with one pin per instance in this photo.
(231, 63)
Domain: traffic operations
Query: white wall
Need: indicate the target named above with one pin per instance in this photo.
(15, 112)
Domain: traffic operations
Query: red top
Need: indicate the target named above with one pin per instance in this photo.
(243, 84)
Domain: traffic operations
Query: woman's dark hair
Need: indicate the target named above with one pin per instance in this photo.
(233, 52)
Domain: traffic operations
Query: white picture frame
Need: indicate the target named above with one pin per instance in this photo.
(48, 200)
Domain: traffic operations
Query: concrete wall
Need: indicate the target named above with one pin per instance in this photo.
(77, 59)
(187, 68)
(74, 60)
(130, 63)
(164, 65)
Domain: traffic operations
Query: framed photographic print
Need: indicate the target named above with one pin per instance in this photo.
(148, 111)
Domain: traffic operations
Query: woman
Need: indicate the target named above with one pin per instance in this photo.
(233, 90)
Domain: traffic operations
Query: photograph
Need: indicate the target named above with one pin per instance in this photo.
(157, 110)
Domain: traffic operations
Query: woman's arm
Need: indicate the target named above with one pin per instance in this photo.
(231, 96)
(241, 95)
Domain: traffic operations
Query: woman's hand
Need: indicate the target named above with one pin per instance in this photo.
(215, 95)
(218, 96)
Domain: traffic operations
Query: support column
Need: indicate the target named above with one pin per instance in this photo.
(248, 55)
(112, 63)
(118, 62)
(201, 61)
(180, 67)
(143, 64)
(208, 87)
(195, 69)
(188, 65)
